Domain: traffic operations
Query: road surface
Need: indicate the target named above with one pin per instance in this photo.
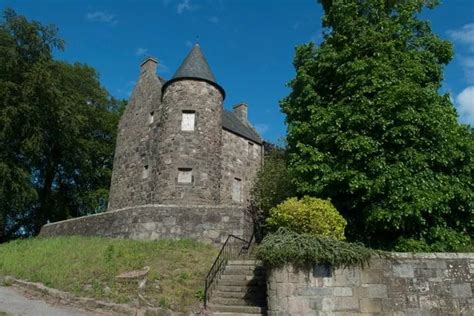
(14, 303)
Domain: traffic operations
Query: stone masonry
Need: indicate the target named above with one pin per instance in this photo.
(199, 150)
(209, 224)
(183, 165)
(408, 284)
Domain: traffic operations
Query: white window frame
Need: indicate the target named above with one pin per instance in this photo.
(237, 190)
(145, 172)
(185, 176)
(151, 117)
(188, 121)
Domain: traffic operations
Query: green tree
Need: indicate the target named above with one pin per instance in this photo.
(368, 128)
(271, 186)
(57, 130)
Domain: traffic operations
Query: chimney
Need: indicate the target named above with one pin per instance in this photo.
(240, 110)
(149, 65)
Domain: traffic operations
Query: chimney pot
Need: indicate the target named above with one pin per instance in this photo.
(149, 65)
(240, 110)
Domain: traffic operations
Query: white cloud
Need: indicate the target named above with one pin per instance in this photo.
(467, 64)
(465, 103)
(465, 38)
(103, 17)
(184, 6)
(140, 51)
(262, 128)
(214, 19)
(464, 35)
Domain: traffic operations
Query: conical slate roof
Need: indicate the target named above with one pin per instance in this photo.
(195, 66)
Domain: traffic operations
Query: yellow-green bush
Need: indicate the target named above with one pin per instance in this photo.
(308, 215)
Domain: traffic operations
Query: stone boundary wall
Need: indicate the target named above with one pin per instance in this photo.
(407, 284)
(206, 223)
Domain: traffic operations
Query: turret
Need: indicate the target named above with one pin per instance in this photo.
(190, 137)
(133, 162)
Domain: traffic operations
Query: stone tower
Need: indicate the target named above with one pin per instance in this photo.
(190, 135)
(183, 167)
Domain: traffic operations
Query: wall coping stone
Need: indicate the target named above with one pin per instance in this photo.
(165, 206)
(432, 255)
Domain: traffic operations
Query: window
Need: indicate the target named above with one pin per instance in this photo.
(236, 190)
(185, 175)
(146, 172)
(250, 150)
(188, 121)
(151, 118)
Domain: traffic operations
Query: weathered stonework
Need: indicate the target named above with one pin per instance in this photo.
(239, 160)
(206, 223)
(199, 149)
(128, 187)
(177, 153)
(409, 284)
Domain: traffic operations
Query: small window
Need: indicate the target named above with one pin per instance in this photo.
(236, 190)
(146, 172)
(185, 175)
(250, 150)
(151, 118)
(188, 121)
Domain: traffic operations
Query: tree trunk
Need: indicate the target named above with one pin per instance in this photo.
(44, 208)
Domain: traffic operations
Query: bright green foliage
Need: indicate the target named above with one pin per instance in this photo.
(288, 247)
(437, 240)
(368, 128)
(308, 215)
(87, 266)
(57, 130)
(272, 185)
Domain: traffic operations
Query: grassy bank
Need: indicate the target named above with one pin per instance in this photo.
(87, 266)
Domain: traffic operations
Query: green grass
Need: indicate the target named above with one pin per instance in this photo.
(87, 266)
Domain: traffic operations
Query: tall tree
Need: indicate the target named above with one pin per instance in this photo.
(368, 128)
(57, 130)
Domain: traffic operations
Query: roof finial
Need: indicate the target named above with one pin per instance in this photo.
(197, 40)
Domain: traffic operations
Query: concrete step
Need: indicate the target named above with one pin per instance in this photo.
(251, 301)
(233, 294)
(242, 289)
(237, 309)
(245, 262)
(233, 282)
(236, 314)
(243, 277)
(244, 270)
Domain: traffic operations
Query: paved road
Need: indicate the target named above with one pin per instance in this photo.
(13, 303)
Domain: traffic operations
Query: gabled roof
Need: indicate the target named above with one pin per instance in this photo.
(231, 123)
(195, 66)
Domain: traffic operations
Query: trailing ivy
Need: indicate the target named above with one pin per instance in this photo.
(287, 247)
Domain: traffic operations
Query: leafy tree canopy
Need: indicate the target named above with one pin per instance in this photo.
(368, 128)
(57, 130)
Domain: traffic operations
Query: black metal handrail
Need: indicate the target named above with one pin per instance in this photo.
(233, 248)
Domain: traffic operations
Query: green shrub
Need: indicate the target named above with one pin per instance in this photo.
(308, 215)
(285, 246)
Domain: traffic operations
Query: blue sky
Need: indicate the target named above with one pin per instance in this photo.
(249, 44)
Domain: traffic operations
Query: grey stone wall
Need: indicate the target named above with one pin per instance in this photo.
(206, 223)
(132, 153)
(199, 149)
(409, 284)
(238, 162)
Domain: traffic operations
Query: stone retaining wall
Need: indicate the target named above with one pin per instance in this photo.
(206, 223)
(407, 284)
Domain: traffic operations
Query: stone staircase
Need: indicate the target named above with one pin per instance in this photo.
(241, 290)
